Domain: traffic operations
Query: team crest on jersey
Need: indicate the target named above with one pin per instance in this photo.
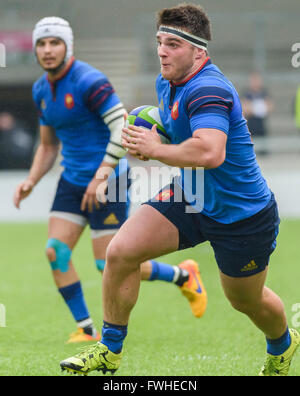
(175, 111)
(69, 101)
(164, 195)
(43, 104)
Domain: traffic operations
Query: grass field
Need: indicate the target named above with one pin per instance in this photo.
(164, 339)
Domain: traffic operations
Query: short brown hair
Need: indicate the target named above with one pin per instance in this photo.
(189, 17)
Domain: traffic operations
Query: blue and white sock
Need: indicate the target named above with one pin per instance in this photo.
(168, 273)
(73, 297)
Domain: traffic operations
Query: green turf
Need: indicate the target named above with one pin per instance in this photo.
(163, 338)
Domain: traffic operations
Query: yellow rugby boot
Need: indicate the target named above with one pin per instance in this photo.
(96, 357)
(80, 336)
(278, 366)
(193, 289)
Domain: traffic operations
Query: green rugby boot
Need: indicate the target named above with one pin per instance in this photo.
(97, 357)
(277, 366)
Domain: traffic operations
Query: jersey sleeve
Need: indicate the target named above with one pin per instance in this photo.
(97, 92)
(209, 107)
(38, 102)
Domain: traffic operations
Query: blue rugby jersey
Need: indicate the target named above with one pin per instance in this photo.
(73, 106)
(235, 190)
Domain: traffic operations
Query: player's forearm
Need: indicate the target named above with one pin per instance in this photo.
(191, 153)
(114, 119)
(105, 170)
(43, 161)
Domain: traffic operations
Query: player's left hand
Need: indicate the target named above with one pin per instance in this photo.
(90, 200)
(140, 143)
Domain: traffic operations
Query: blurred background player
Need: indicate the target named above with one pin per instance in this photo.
(202, 114)
(257, 107)
(16, 143)
(79, 108)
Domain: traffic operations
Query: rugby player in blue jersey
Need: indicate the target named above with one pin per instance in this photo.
(237, 214)
(79, 109)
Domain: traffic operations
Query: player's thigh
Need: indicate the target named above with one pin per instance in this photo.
(145, 235)
(104, 224)
(66, 220)
(65, 231)
(100, 245)
(244, 290)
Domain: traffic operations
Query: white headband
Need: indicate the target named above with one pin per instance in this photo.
(54, 27)
(190, 38)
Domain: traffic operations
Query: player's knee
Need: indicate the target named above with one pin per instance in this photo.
(118, 253)
(247, 307)
(113, 254)
(50, 253)
(59, 254)
(238, 306)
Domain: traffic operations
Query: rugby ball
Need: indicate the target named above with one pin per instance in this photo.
(145, 117)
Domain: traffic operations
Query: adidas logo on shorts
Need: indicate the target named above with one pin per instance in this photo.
(250, 266)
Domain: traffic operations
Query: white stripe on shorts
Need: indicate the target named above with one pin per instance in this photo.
(101, 233)
(74, 218)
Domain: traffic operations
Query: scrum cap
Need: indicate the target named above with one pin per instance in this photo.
(54, 27)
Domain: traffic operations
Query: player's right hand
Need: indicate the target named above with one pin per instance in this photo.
(22, 191)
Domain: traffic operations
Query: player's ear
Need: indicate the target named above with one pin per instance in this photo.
(200, 54)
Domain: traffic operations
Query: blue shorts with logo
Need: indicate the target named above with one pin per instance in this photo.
(110, 215)
(241, 249)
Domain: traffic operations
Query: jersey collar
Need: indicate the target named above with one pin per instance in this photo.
(66, 71)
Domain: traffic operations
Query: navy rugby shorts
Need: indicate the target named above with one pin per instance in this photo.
(109, 216)
(241, 249)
